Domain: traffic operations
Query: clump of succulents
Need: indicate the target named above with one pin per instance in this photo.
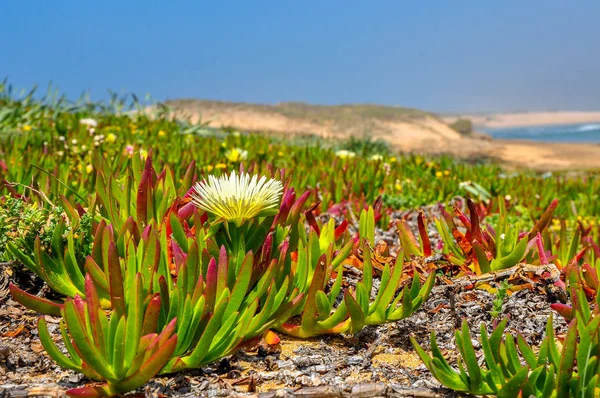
(187, 285)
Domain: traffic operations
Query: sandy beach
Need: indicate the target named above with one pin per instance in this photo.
(522, 119)
(522, 154)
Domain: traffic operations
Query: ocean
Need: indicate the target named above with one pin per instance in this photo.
(589, 132)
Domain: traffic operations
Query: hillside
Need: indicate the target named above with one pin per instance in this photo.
(405, 129)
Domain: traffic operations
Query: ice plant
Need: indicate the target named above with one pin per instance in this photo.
(238, 197)
(514, 369)
(322, 311)
(124, 349)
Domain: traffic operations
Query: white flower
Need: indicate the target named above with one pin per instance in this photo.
(88, 122)
(377, 157)
(502, 236)
(237, 197)
(345, 154)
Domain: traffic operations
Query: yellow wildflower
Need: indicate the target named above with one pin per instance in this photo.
(236, 155)
(27, 128)
(89, 168)
(111, 138)
(438, 174)
(209, 168)
(446, 172)
(161, 133)
(221, 166)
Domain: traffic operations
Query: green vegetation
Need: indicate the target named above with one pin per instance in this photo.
(155, 274)
(498, 302)
(463, 126)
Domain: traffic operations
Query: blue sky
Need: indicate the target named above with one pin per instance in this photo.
(439, 55)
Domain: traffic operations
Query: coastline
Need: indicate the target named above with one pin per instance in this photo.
(518, 154)
(409, 132)
(526, 119)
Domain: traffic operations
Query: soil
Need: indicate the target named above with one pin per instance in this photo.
(377, 361)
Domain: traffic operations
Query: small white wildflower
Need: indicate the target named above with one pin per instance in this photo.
(503, 236)
(344, 154)
(508, 198)
(377, 157)
(237, 197)
(88, 122)
(61, 138)
(388, 168)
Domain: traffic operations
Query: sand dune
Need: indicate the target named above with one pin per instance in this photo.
(406, 130)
